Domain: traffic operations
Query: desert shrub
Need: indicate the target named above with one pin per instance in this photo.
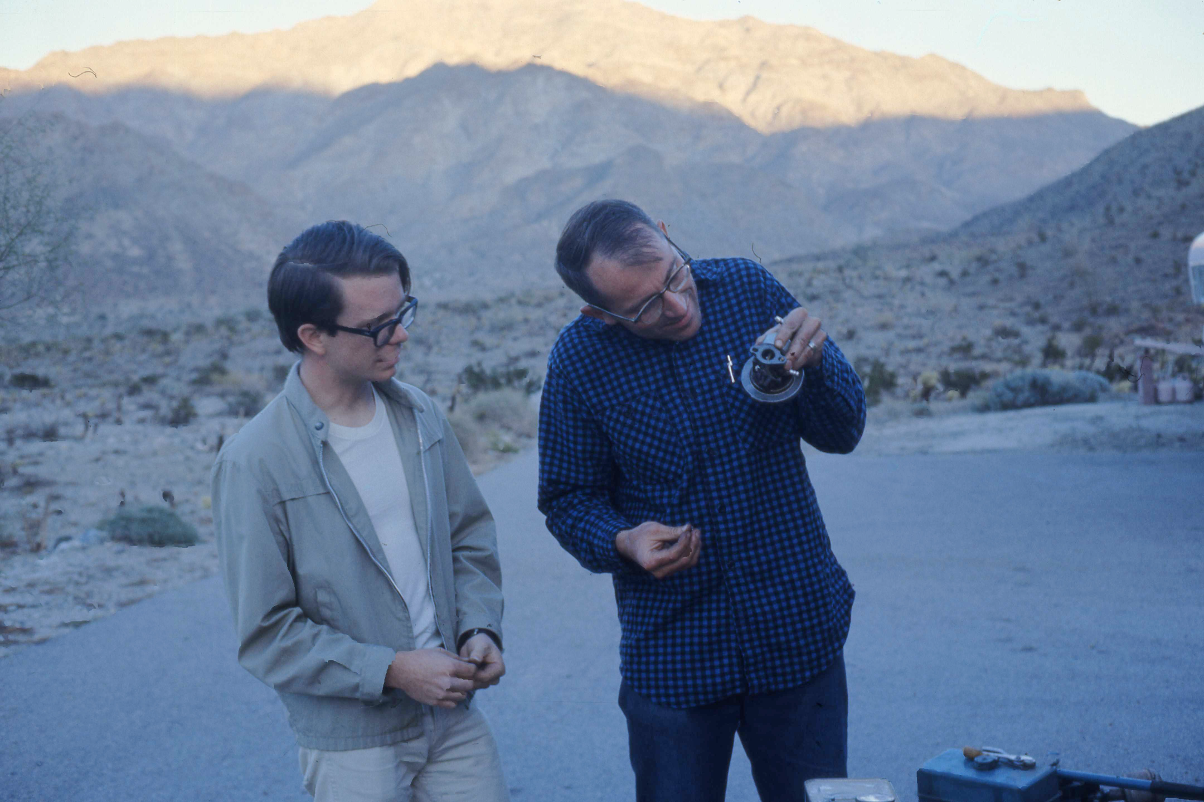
(468, 433)
(244, 403)
(149, 526)
(963, 379)
(1051, 352)
(965, 348)
(1041, 388)
(477, 379)
(182, 413)
(503, 409)
(1005, 332)
(29, 381)
(211, 373)
(227, 322)
(875, 379)
(1090, 344)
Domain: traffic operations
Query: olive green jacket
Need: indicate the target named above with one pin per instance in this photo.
(317, 614)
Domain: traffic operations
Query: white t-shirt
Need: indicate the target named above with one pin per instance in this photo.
(371, 457)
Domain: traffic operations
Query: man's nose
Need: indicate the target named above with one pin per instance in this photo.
(676, 305)
(400, 335)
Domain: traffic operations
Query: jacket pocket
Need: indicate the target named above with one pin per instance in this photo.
(651, 447)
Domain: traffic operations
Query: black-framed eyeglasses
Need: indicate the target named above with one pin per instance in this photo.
(383, 333)
(654, 307)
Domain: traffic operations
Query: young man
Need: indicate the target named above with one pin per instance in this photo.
(359, 557)
(657, 467)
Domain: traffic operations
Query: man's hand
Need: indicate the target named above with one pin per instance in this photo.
(483, 653)
(432, 676)
(800, 338)
(661, 550)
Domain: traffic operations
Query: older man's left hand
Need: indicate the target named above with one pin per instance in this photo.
(800, 337)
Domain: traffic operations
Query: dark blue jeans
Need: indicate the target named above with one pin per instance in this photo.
(789, 736)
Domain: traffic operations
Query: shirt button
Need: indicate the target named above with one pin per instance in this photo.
(318, 426)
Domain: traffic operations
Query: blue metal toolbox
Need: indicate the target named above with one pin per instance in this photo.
(952, 777)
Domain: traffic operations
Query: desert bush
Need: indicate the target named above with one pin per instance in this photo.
(244, 403)
(29, 381)
(1005, 332)
(182, 413)
(1051, 352)
(477, 379)
(211, 373)
(1041, 388)
(963, 379)
(468, 433)
(875, 379)
(149, 526)
(965, 348)
(503, 409)
(227, 322)
(1090, 344)
(156, 335)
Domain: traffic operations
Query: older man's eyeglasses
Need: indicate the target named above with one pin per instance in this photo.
(650, 313)
(383, 333)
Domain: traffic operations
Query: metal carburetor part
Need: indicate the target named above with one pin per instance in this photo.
(765, 376)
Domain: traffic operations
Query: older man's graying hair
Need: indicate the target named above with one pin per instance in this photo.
(611, 229)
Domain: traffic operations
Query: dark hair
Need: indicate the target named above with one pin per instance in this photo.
(302, 289)
(612, 229)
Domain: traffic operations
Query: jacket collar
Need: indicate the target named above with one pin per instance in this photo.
(317, 422)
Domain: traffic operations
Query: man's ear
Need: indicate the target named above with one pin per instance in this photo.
(664, 228)
(313, 338)
(597, 314)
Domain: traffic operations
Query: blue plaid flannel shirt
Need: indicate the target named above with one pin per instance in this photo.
(635, 430)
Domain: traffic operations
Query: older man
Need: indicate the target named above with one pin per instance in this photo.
(658, 468)
(359, 557)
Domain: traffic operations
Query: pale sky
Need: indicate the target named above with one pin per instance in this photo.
(1140, 60)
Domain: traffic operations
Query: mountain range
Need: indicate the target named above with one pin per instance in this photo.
(772, 77)
(470, 156)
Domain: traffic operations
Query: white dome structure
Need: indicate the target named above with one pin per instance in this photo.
(1195, 269)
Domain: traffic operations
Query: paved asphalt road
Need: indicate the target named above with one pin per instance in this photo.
(1032, 602)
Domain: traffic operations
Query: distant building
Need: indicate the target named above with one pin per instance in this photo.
(1195, 269)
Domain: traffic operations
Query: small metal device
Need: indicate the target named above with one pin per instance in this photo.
(765, 376)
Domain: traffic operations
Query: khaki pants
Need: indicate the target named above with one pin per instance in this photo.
(455, 758)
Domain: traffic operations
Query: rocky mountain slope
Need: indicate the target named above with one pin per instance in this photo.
(773, 77)
(473, 172)
(1068, 276)
(149, 223)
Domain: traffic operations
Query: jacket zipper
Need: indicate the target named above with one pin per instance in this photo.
(354, 531)
(430, 528)
(430, 525)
